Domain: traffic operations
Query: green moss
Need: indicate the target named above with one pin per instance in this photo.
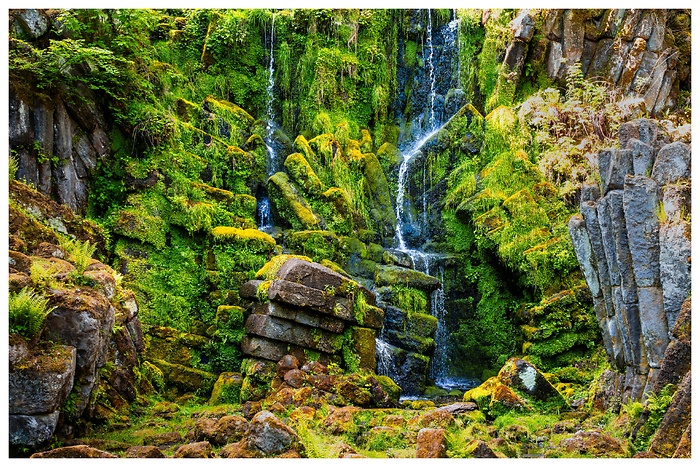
(410, 299)
(302, 174)
(289, 203)
(409, 57)
(223, 234)
(317, 244)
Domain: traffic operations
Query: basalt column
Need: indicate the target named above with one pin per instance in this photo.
(632, 240)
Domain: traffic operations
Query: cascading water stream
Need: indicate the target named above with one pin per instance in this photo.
(431, 72)
(263, 209)
(420, 260)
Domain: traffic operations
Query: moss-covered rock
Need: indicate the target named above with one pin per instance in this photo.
(316, 244)
(227, 389)
(185, 378)
(377, 188)
(269, 271)
(303, 175)
(396, 275)
(290, 205)
(359, 350)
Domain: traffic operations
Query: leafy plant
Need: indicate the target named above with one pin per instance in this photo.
(28, 310)
(13, 166)
(79, 253)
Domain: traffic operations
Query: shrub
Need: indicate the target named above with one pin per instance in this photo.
(28, 309)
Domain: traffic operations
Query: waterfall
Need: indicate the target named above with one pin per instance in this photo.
(384, 360)
(408, 156)
(428, 263)
(264, 212)
(271, 97)
(431, 72)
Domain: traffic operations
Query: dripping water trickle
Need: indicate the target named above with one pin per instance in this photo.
(264, 212)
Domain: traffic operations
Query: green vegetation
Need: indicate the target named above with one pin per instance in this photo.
(28, 309)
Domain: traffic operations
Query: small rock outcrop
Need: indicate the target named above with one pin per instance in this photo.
(632, 240)
(518, 384)
(91, 337)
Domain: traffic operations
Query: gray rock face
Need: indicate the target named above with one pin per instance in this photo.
(674, 261)
(269, 435)
(32, 22)
(84, 321)
(631, 48)
(42, 388)
(32, 430)
(633, 246)
(75, 135)
(672, 164)
(641, 205)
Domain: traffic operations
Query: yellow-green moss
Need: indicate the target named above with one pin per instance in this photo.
(269, 270)
(289, 203)
(221, 234)
(301, 172)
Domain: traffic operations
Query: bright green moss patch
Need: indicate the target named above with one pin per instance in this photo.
(302, 173)
(317, 244)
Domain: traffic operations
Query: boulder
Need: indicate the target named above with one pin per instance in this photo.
(33, 22)
(320, 277)
(525, 377)
(200, 450)
(144, 452)
(227, 389)
(32, 431)
(593, 443)
(83, 319)
(73, 452)
(270, 436)
(40, 382)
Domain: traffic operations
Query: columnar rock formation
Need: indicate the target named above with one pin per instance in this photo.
(632, 239)
(313, 313)
(637, 50)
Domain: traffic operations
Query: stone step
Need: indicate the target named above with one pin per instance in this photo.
(293, 333)
(300, 295)
(322, 278)
(301, 316)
